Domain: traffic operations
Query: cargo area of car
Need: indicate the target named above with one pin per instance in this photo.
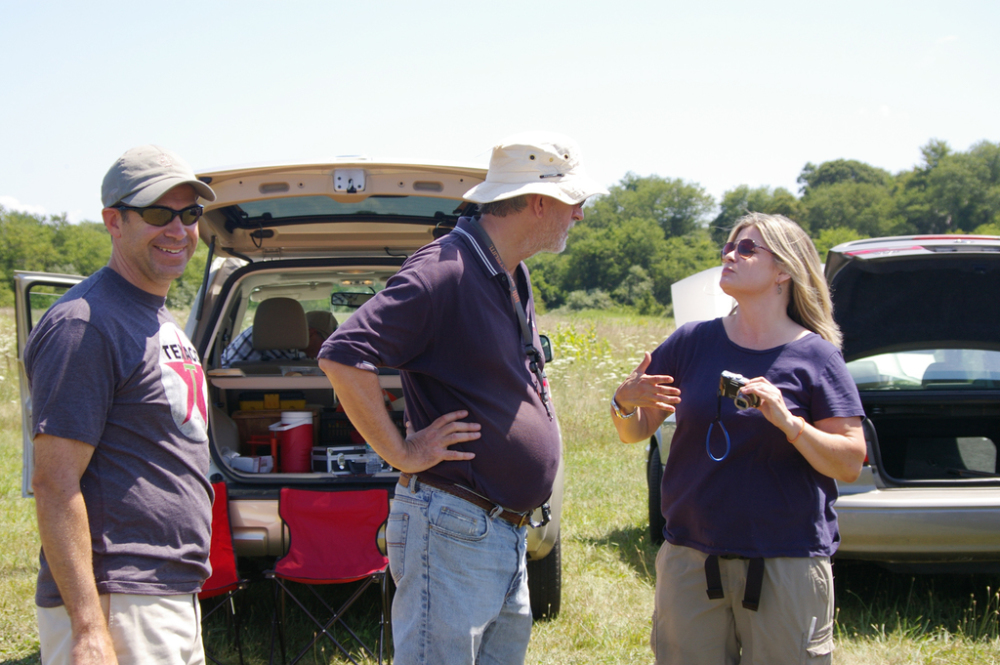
(937, 440)
(256, 421)
(274, 413)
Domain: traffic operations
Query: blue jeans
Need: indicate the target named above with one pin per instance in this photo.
(461, 582)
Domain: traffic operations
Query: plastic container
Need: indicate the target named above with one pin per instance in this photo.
(295, 442)
(252, 424)
(335, 429)
(285, 400)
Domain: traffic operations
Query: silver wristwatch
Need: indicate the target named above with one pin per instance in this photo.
(618, 410)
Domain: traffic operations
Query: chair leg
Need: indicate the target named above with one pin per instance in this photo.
(276, 623)
(233, 619)
(204, 618)
(236, 626)
(336, 617)
(385, 617)
(324, 628)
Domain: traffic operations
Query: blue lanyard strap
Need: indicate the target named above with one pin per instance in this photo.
(725, 432)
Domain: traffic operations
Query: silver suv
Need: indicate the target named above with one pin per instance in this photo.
(327, 236)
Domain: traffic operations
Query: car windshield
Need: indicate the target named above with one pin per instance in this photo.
(323, 206)
(928, 369)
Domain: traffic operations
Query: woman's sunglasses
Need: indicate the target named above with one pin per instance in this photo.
(162, 215)
(744, 248)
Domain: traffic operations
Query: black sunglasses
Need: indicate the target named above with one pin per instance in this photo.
(744, 248)
(162, 215)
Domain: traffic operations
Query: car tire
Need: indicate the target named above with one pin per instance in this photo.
(545, 583)
(654, 475)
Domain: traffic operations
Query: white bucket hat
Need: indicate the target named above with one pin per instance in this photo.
(144, 174)
(535, 163)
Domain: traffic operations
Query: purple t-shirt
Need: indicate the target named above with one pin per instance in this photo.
(763, 499)
(108, 366)
(446, 321)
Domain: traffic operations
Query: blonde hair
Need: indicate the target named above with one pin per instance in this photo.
(809, 303)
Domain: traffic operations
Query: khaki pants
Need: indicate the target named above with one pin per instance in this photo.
(794, 623)
(145, 629)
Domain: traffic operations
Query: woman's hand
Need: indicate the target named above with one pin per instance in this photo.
(647, 391)
(833, 446)
(772, 405)
(650, 397)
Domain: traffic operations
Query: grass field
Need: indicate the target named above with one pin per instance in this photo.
(608, 571)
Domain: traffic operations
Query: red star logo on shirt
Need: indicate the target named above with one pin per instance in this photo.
(193, 377)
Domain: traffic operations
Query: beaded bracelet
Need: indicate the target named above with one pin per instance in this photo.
(800, 431)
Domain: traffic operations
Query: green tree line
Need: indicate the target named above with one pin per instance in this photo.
(53, 244)
(650, 232)
(647, 233)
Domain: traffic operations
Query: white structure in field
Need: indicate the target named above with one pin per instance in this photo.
(699, 298)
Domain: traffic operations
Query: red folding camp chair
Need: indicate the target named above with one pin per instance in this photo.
(333, 539)
(224, 581)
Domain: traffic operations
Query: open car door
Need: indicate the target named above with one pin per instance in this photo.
(34, 293)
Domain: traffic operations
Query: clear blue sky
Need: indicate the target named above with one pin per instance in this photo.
(716, 93)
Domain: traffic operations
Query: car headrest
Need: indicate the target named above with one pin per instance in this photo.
(324, 322)
(280, 323)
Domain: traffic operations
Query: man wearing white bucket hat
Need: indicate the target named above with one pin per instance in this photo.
(119, 421)
(458, 321)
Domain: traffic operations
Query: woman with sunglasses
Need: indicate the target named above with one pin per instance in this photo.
(748, 488)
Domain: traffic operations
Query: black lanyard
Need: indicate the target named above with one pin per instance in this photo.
(527, 339)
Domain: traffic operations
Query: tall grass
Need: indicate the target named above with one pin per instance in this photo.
(608, 570)
(19, 533)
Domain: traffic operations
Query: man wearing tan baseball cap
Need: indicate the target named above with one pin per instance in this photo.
(119, 422)
(458, 322)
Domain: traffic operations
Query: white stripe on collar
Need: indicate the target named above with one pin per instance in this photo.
(479, 250)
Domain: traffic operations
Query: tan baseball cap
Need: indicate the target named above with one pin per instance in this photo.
(536, 163)
(144, 174)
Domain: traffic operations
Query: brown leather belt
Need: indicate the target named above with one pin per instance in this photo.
(495, 510)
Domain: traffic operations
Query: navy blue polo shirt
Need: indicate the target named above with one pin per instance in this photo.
(446, 321)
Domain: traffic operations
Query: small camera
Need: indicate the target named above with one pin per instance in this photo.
(729, 386)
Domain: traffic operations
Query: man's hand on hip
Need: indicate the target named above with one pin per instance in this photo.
(430, 445)
(360, 394)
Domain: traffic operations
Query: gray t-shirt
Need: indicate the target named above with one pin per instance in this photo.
(108, 366)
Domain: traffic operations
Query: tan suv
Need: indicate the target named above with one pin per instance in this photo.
(327, 236)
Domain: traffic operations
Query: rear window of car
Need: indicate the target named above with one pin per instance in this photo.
(323, 206)
(928, 369)
(353, 291)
